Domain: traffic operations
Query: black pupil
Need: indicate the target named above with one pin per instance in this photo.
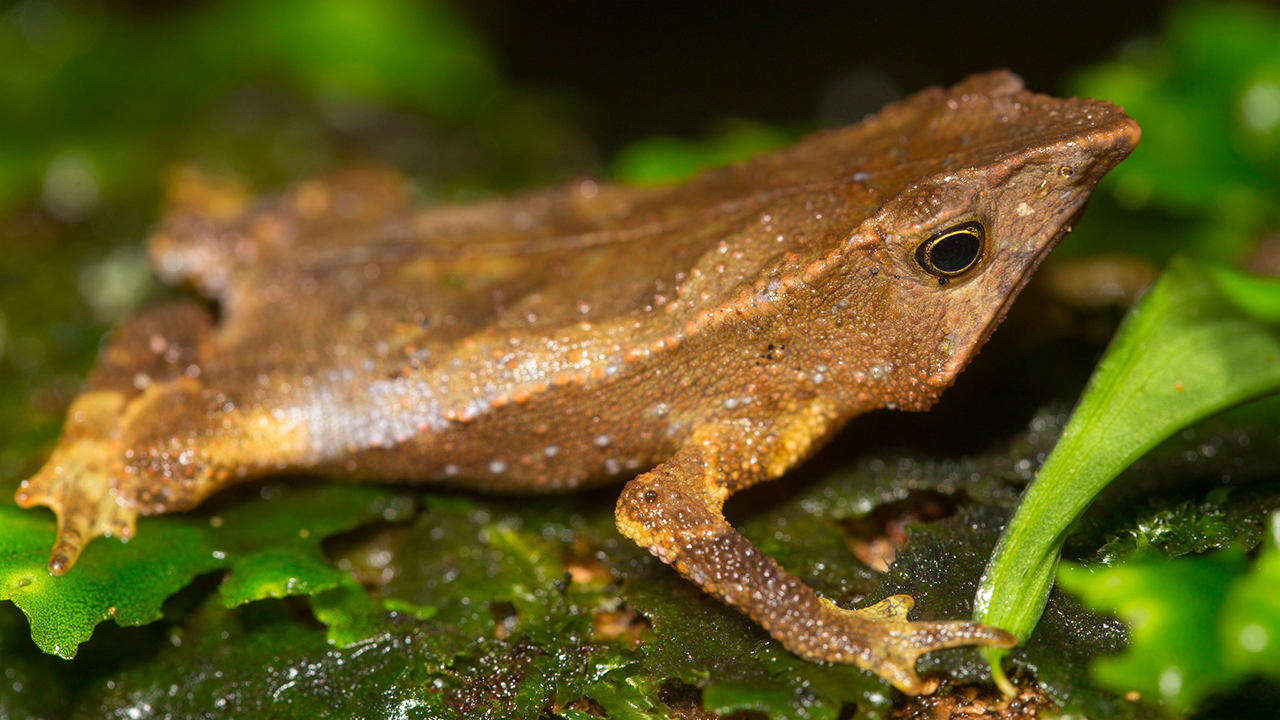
(955, 252)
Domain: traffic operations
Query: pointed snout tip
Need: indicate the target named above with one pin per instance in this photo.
(1112, 141)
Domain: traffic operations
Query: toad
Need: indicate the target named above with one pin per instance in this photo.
(692, 340)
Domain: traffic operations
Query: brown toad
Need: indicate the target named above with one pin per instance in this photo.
(705, 337)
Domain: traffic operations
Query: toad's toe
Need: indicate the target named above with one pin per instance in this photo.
(75, 483)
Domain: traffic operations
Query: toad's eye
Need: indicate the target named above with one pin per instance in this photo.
(952, 251)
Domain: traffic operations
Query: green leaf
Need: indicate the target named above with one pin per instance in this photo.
(1170, 607)
(1249, 627)
(778, 702)
(624, 693)
(1255, 295)
(274, 547)
(1205, 177)
(271, 548)
(1184, 352)
(349, 613)
(1198, 625)
(123, 582)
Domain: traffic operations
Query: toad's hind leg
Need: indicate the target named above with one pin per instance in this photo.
(78, 482)
(675, 511)
(153, 433)
(75, 482)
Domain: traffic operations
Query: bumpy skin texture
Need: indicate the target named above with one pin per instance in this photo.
(709, 336)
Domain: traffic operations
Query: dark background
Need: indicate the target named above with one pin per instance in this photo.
(667, 67)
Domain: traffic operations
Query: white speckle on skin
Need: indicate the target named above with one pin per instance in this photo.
(1024, 209)
(497, 467)
(551, 450)
(658, 410)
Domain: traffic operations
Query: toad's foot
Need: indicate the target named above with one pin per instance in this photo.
(76, 484)
(881, 639)
(674, 511)
(148, 436)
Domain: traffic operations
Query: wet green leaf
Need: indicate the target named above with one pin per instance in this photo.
(271, 548)
(779, 703)
(1185, 351)
(274, 547)
(124, 582)
(348, 612)
(626, 693)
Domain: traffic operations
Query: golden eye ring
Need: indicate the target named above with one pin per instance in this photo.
(953, 251)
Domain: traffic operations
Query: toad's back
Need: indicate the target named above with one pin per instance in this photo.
(718, 330)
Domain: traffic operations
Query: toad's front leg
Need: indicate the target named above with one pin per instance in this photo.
(675, 511)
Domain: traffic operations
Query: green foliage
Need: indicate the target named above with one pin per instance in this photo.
(1185, 529)
(666, 160)
(1206, 176)
(98, 103)
(1184, 352)
(474, 614)
(1199, 624)
(351, 615)
(126, 583)
(1249, 622)
(270, 547)
(1203, 180)
(1168, 607)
